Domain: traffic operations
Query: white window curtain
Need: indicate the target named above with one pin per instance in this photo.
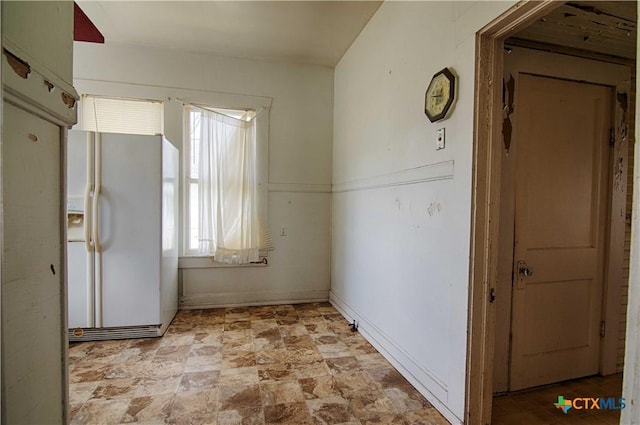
(229, 228)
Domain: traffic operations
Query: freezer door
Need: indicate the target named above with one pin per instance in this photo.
(80, 290)
(76, 164)
(77, 288)
(130, 206)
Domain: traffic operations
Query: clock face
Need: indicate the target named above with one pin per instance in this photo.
(439, 95)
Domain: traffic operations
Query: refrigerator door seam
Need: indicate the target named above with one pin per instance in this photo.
(96, 230)
(89, 218)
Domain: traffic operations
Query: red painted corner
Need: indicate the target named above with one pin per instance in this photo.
(83, 28)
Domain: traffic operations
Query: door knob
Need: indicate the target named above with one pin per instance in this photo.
(524, 270)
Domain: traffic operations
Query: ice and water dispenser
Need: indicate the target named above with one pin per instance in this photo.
(75, 219)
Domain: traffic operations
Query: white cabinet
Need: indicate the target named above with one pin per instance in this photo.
(41, 31)
(32, 270)
(38, 105)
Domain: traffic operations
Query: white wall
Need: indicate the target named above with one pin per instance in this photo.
(401, 210)
(300, 146)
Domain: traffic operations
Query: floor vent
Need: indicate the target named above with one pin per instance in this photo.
(103, 334)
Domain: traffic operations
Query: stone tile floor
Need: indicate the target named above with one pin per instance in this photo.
(535, 406)
(287, 364)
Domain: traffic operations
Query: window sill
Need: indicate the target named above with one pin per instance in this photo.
(196, 262)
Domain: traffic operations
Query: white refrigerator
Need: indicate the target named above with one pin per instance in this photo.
(122, 212)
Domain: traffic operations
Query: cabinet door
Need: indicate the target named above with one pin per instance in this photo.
(33, 352)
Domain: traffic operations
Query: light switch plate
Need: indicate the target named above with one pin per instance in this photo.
(440, 139)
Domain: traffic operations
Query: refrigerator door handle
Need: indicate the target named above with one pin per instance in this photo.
(87, 193)
(95, 220)
(95, 213)
(87, 218)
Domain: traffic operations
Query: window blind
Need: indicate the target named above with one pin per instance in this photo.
(115, 115)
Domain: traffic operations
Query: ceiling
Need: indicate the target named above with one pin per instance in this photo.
(312, 32)
(604, 27)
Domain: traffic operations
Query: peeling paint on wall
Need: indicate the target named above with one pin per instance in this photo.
(20, 67)
(434, 208)
(623, 103)
(507, 105)
(591, 9)
(618, 174)
(68, 100)
(398, 204)
(620, 134)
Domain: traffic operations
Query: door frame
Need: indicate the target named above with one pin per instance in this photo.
(486, 178)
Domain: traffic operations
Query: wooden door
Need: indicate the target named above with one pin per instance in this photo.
(562, 133)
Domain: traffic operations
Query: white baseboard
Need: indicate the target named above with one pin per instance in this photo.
(236, 299)
(425, 381)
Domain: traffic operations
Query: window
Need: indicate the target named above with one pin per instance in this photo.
(221, 185)
(191, 151)
(119, 115)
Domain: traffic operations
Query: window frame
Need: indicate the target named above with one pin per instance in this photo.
(188, 180)
(189, 257)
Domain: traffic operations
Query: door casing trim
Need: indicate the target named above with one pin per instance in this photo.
(485, 200)
(486, 177)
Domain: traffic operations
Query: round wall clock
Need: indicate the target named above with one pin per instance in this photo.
(440, 95)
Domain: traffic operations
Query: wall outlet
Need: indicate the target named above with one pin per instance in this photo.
(283, 231)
